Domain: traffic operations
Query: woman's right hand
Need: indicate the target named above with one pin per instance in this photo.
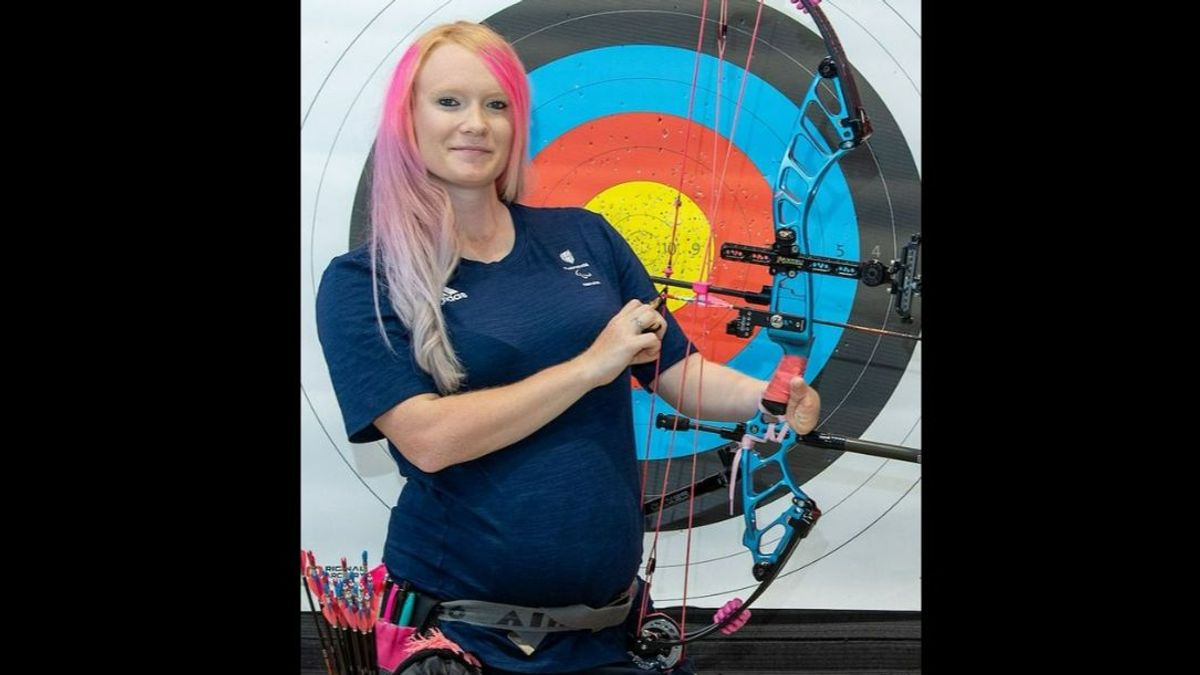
(634, 335)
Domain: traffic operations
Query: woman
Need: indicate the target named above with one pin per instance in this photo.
(491, 343)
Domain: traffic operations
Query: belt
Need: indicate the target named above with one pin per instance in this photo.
(528, 626)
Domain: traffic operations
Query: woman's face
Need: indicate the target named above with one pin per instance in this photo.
(462, 119)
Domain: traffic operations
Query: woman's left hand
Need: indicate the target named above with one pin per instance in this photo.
(803, 406)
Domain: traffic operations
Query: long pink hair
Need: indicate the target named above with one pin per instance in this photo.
(413, 238)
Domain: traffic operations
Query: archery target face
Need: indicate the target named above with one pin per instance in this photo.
(612, 85)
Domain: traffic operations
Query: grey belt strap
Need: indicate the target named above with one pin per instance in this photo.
(527, 626)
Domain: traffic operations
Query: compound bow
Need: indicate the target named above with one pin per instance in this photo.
(765, 439)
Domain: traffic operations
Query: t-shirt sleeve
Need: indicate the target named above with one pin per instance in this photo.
(635, 283)
(369, 378)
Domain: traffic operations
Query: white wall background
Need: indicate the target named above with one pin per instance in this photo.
(864, 553)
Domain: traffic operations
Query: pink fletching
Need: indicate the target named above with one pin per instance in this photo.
(729, 608)
(330, 615)
(378, 576)
(435, 640)
(314, 585)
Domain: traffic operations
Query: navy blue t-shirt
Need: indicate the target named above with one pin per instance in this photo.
(555, 518)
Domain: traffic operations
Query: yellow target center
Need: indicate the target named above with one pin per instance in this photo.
(644, 212)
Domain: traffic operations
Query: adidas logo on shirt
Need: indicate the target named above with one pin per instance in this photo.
(450, 295)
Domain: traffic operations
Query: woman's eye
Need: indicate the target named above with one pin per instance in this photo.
(447, 102)
(498, 105)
